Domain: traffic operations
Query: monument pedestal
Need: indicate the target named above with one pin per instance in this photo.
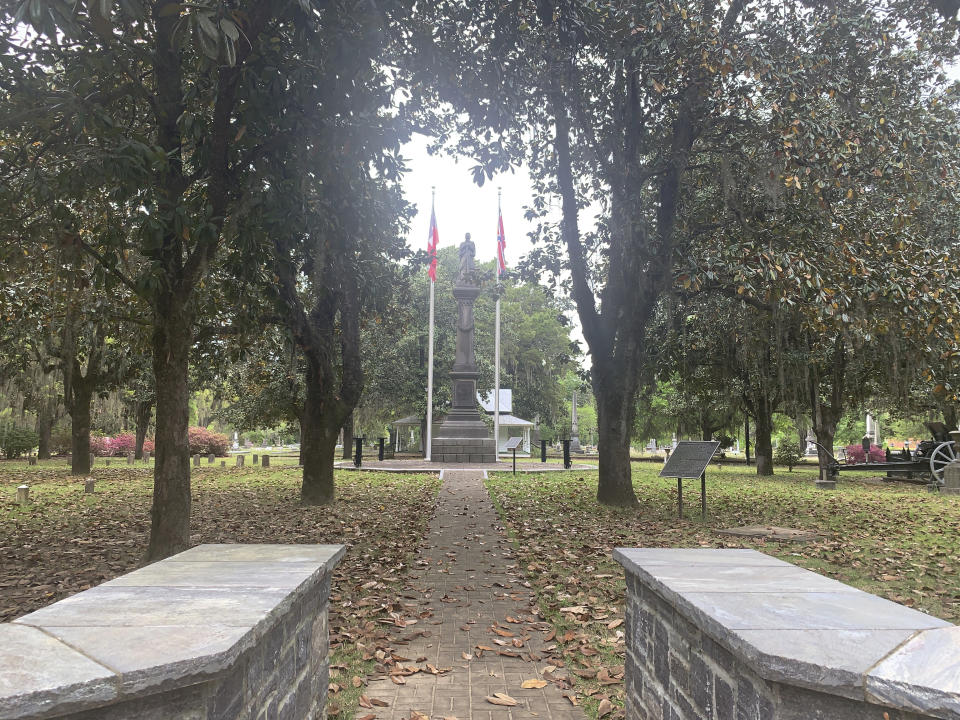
(463, 436)
(951, 479)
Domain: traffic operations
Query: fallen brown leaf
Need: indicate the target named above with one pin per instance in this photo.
(533, 684)
(604, 708)
(501, 699)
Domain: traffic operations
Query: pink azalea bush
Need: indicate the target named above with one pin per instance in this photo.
(855, 454)
(100, 446)
(205, 442)
(121, 445)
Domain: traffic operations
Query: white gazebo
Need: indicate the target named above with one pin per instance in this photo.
(510, 425)
(410, 424)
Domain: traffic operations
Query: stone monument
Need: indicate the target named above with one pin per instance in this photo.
(574, 426)
(463, 436)
(951, 473)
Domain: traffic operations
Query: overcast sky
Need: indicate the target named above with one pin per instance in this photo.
(462, 206)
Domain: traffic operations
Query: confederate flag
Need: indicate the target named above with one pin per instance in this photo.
(501, 244)
(432, 246)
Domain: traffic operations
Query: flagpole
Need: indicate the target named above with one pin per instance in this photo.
(496, 348)
(428, 446)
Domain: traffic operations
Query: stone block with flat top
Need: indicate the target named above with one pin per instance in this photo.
(753, 636)
(200, 636)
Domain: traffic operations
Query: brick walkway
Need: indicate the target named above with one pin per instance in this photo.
(467, 587)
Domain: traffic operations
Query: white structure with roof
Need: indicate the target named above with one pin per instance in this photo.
(510, 425)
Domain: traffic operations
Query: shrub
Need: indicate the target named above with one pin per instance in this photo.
(205, 442)
(787, 454)
(855, 454)
(123, 444)
(148, 445)
(100, 446)
(15, 441)
(61, 440)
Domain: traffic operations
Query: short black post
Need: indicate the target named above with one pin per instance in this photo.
(514, 461)
(888, 455)
(380, 455)
(358, 455)
(566, 455)
(680, 498)
(543, 451)
(703, 496)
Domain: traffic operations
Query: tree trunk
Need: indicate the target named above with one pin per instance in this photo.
(302, 423)
(825, 433)
(347, 438)
(950, 417)
(80, 428)
(746, 438)
(763, 441)
(45, 419)
(319, 444)
(615, 410)
(170, 514)
(142, 413)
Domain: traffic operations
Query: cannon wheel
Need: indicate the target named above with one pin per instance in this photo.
(940, 458)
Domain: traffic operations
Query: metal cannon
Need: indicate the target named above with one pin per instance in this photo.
(928, 460)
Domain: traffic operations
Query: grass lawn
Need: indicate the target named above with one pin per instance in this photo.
(894, 540)
(66, 541)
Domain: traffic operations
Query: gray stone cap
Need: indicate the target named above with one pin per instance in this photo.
(794, 626)
(166, 625)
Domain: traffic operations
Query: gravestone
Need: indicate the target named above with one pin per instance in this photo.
(240, 460)
(23, 494)
(88, 486)
(211, 458)
(256, 459)
(951, 479)
(146, 456)
(265, 461)
(574, 426)
(130, 458)
(32, 460)
(463, 436)
(223, 463)
(196, 461)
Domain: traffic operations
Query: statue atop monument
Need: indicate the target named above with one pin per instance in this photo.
(468, 251)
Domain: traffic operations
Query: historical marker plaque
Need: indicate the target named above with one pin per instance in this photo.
(690, 458)
(513, 443)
